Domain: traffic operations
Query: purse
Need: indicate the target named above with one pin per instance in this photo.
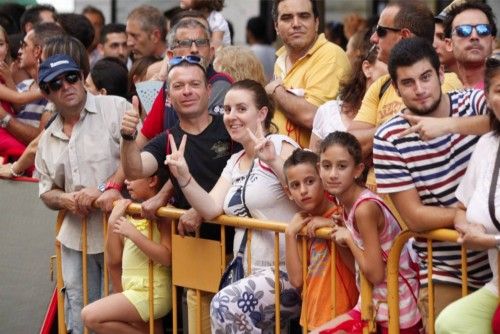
(234, 271)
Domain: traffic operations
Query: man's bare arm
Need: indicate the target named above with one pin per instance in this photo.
(296, 108)
(420, 217)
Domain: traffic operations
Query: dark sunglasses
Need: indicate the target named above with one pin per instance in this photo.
(55, 85)
(186, 43)
(383, 31)
(465, 30)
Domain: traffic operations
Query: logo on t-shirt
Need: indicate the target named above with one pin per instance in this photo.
(389, 110)
(218, 110)
(221, 149)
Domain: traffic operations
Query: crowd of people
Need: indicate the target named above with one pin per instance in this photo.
(367, 130)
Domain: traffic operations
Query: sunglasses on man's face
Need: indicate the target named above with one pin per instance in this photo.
(187, 43)
(465, 30)
(383, 31)
(56, 84)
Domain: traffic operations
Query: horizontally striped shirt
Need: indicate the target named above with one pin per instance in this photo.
(434, 168)
(30, 113)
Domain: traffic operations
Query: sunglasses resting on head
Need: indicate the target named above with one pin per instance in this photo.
(191, 59)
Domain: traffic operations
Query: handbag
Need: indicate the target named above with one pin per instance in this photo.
(234, 271)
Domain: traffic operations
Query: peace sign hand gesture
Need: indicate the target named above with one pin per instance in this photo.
(176, 162)
(264, 148)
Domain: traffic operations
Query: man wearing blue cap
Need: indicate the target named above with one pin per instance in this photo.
(79, 151)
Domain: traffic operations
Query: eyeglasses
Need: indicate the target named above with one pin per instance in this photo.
(382, 31)
(187, 43)
(55, 85)
(465, 30)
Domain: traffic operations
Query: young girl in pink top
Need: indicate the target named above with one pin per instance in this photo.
(368, 231)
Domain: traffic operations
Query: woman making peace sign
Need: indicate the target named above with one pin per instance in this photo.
(251, 185)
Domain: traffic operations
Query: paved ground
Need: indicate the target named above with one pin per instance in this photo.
(26, 244)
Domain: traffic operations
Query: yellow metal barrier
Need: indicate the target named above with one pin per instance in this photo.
(393, 270)
(60, 282)
(209, 262)
(276, 227)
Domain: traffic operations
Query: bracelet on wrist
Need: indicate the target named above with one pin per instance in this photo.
(186, 184)
(13, 172)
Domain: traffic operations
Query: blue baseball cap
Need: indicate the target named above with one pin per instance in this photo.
(56, 65)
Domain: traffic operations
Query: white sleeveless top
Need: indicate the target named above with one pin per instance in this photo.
(265, 199)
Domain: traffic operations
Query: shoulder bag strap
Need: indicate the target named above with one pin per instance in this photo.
(384, 88)
(243, 190)
(491, 197)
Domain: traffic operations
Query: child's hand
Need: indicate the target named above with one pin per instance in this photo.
(124, 228)
(341, 236)
(122, 205)
(316, 223)
(298, 221)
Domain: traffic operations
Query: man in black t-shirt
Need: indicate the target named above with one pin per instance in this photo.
(209, 145)
(208, 148)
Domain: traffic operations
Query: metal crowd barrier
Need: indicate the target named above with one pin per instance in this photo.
(393, 267)
(199, 263)
(60, 284)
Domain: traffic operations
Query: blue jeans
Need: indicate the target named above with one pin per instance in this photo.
(73, 284)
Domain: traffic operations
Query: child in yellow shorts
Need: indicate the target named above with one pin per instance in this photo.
(129, 250)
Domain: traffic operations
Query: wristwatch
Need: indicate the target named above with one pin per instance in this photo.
(109, 185)
(5, 121)
(129, 137)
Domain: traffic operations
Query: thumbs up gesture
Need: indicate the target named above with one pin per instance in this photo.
(130, 121)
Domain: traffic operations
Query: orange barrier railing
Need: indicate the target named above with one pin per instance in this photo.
(393, 269)
(207, 261)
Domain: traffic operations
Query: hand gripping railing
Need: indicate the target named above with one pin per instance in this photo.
(393, 270)
(276, 227)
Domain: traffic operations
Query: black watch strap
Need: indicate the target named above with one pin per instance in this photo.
(129, 137)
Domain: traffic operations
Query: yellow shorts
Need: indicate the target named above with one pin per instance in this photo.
(135, 289)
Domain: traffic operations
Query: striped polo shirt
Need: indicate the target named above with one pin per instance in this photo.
(434, 168)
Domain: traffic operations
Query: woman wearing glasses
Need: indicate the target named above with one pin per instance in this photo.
(251, 185)
(477, 221)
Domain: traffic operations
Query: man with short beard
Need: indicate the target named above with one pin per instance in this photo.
(471, 26)
(420, 175)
